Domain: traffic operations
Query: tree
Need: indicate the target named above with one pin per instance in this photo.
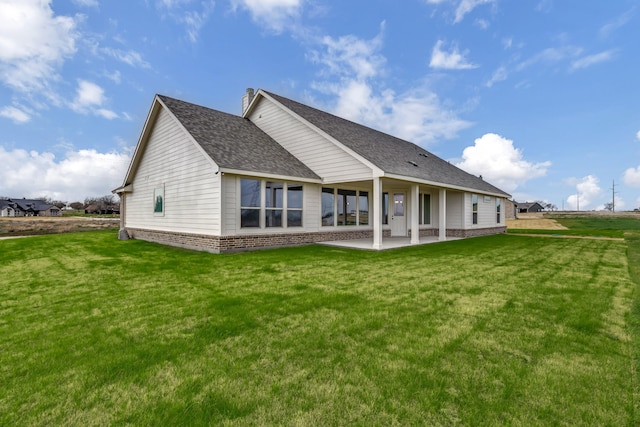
(101, 204)
(608, 207)
(76, 206)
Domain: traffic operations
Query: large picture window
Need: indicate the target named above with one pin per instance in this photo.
(270, 204)
(250, 197)
(274, 195)
(344, 207)
(328, 206)
(347, 207)
(294, 205)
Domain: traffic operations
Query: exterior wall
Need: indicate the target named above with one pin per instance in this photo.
(223, 244)
(510, 209)
(321, 155)
(486, 212)
(192, 189)
(455, 209)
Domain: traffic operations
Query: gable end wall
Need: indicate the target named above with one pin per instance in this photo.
(319, 154)
(191, 187)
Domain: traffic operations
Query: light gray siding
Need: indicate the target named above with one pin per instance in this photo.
(322, 156)
(486, 212)
(171, 160)
(455, 209)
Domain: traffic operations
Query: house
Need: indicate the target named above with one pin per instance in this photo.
(511, 209)
(284, 173)
(530, 207)
(28, 207)
(7, 208)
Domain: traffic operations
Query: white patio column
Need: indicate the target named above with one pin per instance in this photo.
(442, 215)
(377, 213)
(415, 214)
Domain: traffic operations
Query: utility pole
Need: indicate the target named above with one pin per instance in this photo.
(613, 196)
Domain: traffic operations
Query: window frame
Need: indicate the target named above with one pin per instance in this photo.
(424, 214)
(158, 197)
(272, 204)
(474, 209)
(343, 201)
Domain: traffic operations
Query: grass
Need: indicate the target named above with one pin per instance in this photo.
(500, 330)
(595, 226)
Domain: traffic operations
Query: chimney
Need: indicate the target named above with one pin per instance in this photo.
(246, 99)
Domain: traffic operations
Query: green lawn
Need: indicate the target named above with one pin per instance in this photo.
(588, 225)
(501, 330)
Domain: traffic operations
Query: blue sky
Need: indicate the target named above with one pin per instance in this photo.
(539, 97)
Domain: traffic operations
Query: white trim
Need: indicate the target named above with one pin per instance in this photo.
(442, 185)
(265, 175)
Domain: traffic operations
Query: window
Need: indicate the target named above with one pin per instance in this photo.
(328, 206)
(344, 207)
(282, 202)
(250, 203)
(474, 208)
(425, 209)
(274, 194)
(385, 208)
(294, 205)
(498, 207)
(347, 207)
(158, 200)
(363, 208)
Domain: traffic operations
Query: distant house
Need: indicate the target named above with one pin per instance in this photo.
(28, 207)
(7, 208)
(530, 207)
(511, 209)
(286, 174)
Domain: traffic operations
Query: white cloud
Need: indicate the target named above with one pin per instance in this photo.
(587, 189)
(130, 57)
(551, 55)
(417, 115)
(589, 60)
(352, 68)
(90, 98)
(79, 174)
(466, 6)
(275, 15)
(632, 177)
(452, 60)
(34, 43)
(616, 24)
(17, 115)
(192, 17)
(86, 3)
(638, 135)
(499, 162)
(499, 75)
(349, 55)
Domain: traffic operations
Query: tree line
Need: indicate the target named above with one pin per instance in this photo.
(100, 203)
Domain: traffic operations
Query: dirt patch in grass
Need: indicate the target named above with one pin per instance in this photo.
(534, 222)
(29, 226)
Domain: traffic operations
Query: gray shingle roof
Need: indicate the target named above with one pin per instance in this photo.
(392, 155)
(234, 142)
